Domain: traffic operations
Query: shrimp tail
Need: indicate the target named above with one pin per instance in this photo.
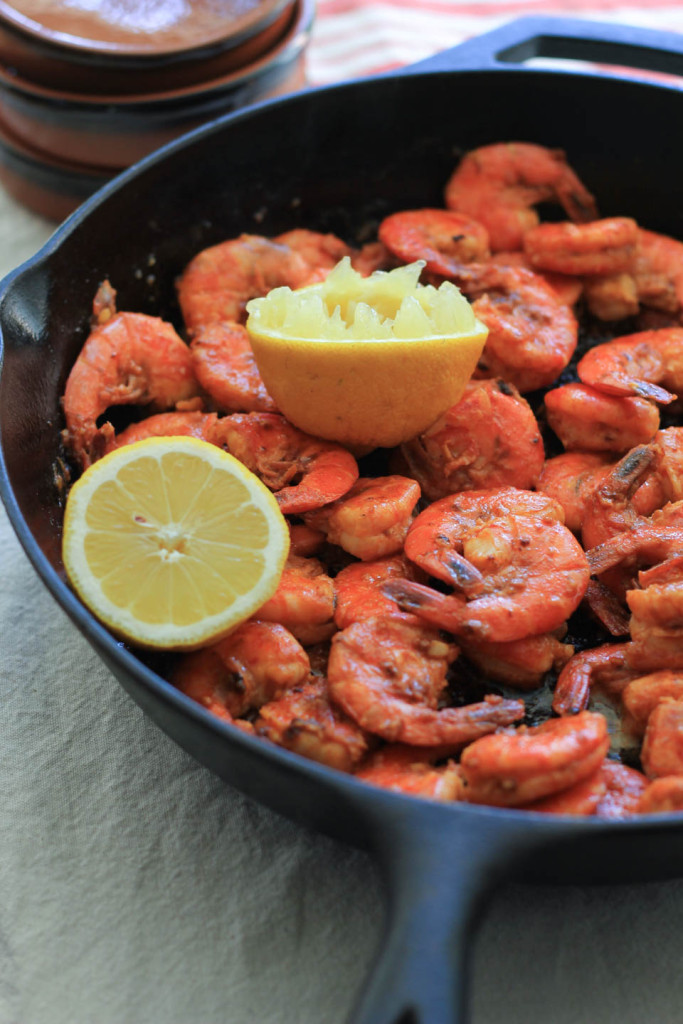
(444, 611)
(620, 384)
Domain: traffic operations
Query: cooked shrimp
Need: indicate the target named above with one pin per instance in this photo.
(405, 769)
(490, 438)
(130, 359)
(607, 608)
(518, 766)
(648, 364)
(321, 251)
(358, 588)
(586, 419)
(218, 282)
(371, 520)
(662, 796)
(569, 478)
(388, 675)
(642, 695)
(304, 601)
(225, 367)
(303, 471)
(635, 487)
(665, 482)
(611, 296)
(610, 666)
(443, 239)
(656, 601)
(167, 424)
(662, 750)
(658, 271)
(253, 665)
(520, 570)
(305, 720)
(597, 247)
(580, 800)
(499, 184)
(304, 540)
(523, 664)
(567, 288)
(372, 256)
(601, 497)
(532, 334)
(608, 662)
(625, 788)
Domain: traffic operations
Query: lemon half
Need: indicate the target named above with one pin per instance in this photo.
(366, 361)
(172, 542)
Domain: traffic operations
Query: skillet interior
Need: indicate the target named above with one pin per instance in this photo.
(335, 160)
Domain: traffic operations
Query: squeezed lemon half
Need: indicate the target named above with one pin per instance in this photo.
(366, 361)
(171, 542)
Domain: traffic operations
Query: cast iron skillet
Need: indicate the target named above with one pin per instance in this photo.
(337, 160)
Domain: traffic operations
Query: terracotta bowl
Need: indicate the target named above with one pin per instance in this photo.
(139, 47)
(113, 132)
(52, 188)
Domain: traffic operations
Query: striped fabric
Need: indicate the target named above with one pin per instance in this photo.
(353, 38)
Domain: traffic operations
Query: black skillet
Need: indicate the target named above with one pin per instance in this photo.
(338, 159)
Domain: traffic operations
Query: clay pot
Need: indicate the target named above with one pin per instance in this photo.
(55, 112)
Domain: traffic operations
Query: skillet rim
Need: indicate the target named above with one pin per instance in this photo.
(356, 792)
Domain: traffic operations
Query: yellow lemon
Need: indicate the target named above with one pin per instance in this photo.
(172, 542)
(366, 361)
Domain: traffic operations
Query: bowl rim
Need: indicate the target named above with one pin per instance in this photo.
(292, 41)
(226, 35)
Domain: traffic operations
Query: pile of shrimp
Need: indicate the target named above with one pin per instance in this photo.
(493, 612)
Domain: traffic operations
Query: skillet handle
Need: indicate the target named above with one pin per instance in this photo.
(568, 38)
(438, 874)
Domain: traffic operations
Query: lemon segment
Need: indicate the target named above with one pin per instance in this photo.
(366, 361)
(171, 542)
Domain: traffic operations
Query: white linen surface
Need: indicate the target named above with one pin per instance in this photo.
(135, 888)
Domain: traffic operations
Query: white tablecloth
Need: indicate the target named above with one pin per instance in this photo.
(135, 888)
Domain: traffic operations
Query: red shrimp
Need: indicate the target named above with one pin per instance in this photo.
(225, 367)
(443, 239)
(597, 247)
(520, 571)
(218, 282)
(567, 287)
(490, 438)
(389, 674)
(648, 364)
(586, 419)
(569, 478)
(130, 359)
(306, 720)
(500, 184)
(303, 471)
(518, 766)
(405, 769)
(167, 424)
(304, 601)
(532, 334)
(371, 520)
(358, 588)
(255, 664)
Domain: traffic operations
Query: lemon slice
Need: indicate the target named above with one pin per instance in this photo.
(366, 361)
(171, 542)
